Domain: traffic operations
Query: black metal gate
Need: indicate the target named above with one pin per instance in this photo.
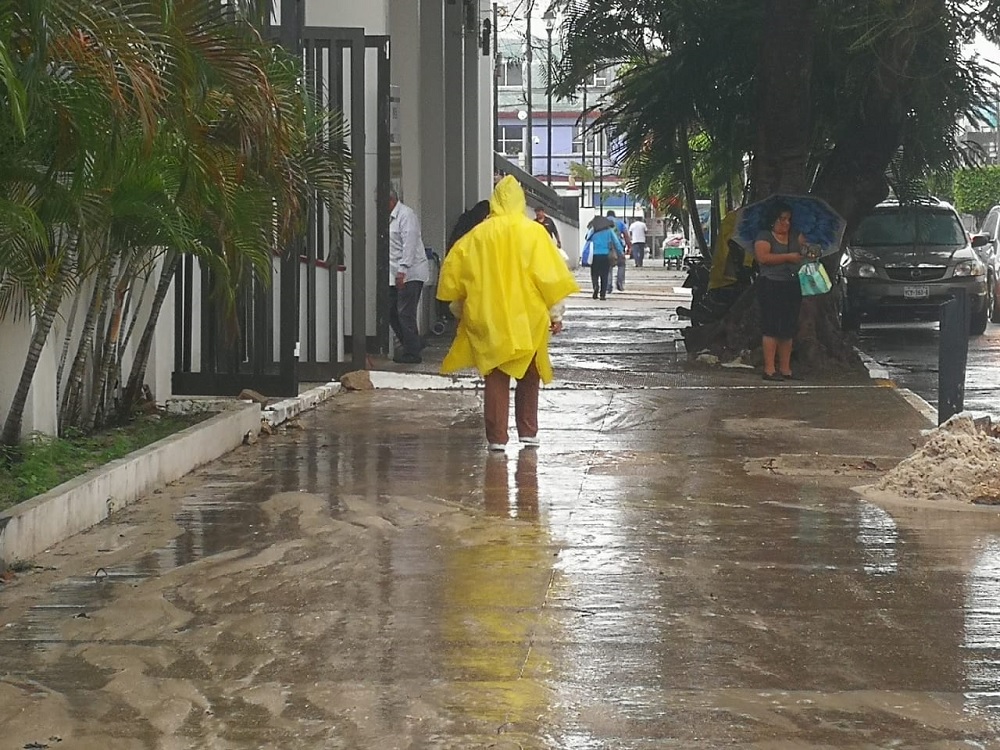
(320, 298)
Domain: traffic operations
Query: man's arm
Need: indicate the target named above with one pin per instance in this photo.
(555, 233)
(412, 251)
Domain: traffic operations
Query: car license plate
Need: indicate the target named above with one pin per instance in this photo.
(916, 292)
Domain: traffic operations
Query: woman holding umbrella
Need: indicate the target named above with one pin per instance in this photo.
(779, 255)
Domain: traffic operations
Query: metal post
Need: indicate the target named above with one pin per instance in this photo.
(600, 150)
(953, 353)
(583, 146)
(529, 156)
(292, 23)
(548, 135)
(496, 80)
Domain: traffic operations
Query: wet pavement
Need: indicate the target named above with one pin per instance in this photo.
(681, 564)
(909, 351)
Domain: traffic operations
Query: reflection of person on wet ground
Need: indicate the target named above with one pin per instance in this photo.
(506, 283)
(496, 485)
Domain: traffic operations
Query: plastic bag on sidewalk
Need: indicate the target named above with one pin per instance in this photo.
(813, 279)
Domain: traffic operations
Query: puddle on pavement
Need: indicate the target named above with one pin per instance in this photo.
(586, 603)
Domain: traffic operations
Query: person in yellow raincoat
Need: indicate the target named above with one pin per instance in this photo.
(506, 282)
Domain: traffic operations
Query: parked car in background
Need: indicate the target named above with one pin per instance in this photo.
(904, 260)
(990, 255)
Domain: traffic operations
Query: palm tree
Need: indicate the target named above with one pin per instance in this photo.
(78, 68)
(822, 96)
(139, 132)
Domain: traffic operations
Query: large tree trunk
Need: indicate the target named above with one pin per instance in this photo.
(784, 102)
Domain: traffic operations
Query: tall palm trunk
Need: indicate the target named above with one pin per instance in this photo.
(11, 434)
(690, 195)
(71, 405)
(109, 352)
(138, 374)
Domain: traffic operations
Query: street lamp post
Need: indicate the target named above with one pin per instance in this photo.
(529, 59)
(550, 24)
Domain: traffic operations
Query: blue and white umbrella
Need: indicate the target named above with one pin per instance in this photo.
(811, 217)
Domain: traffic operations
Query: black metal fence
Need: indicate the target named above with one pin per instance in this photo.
(314, 321)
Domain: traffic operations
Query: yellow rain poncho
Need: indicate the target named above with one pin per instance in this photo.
(507, 273)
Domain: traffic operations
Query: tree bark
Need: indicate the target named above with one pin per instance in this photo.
(784, 102)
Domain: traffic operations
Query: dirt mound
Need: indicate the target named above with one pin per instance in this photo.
(959, 461)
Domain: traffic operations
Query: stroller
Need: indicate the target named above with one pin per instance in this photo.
(465, 224)
(709, 305)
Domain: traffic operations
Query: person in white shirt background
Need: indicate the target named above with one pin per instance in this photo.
(408, 271)
(637, 229)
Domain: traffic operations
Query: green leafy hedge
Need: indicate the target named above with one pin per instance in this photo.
(977, 190)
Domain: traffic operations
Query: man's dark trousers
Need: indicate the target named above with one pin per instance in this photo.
(403, 315)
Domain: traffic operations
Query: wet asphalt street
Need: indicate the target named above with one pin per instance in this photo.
(910, 353)
(681, 564)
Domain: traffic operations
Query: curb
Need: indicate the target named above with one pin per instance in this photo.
(877, 372)
(282, 411)
(74, 506)
(920, 404)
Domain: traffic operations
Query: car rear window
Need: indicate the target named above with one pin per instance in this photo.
(909, 227)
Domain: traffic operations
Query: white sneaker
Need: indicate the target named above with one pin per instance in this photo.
(531, 442)
(497, 447)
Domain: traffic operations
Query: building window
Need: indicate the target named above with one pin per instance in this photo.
(510, 74)
(510, 139)
(596, 142)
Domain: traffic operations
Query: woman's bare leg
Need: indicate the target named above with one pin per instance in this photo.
(770, 346)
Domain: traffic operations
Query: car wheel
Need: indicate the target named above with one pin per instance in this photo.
(993, 305)
(849, 321)
(979, 321)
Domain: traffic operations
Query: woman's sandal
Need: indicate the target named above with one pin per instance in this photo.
(774, 377)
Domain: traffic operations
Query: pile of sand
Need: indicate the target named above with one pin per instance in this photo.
(959, 461)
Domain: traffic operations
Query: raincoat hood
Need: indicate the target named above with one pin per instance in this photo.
(508, 198)
(507, 274)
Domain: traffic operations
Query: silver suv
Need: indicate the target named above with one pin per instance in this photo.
(904, 261)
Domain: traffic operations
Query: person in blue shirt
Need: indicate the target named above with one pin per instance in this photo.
(603, 241)
(626, 239)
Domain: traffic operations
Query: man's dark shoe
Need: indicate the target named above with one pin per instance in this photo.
(405, 358)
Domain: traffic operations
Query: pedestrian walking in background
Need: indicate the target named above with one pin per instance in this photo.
(779, 254)
(550, 226)
(602, 243)
(626, 239)
(408, 272)
(506, 281)
(637, 231)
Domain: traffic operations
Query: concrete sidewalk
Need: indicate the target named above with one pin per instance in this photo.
(682, 564)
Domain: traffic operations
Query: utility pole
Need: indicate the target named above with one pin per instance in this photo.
(550, 25)
(497, 60)
(529, 160)
(583, 148)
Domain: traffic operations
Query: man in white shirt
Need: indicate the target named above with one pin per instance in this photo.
(408, 270)
(637, 229)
